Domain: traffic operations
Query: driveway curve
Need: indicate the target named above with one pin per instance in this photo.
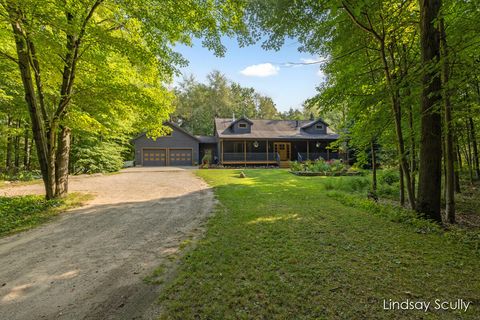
(90, 262)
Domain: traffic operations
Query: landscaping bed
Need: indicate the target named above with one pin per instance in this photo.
(326, 174)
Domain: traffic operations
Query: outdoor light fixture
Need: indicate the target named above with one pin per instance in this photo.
(255, 144)
(317, 145)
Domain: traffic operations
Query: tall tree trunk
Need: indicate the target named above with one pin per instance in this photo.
(430, 173)
(449, 150)
(26, 149)
(468, 153)
(474, 147)
(402, 186)
(62, 161)
(374, 168)
(457, 166)
(8, 156)
(413, 151)
(17, 148)
(38, 130)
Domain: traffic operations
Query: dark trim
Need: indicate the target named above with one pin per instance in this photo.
(308, 125)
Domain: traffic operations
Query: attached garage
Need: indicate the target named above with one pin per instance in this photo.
(179, 148)
(180, 157)
(154, 157)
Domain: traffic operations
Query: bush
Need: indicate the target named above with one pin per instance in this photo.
(23, 176)
(296, 166)
(389, 177)
(97, 158)
(334, 167)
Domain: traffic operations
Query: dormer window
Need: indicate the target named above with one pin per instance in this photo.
(319, 126)
(242, 125)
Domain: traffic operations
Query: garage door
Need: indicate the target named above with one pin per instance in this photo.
(154, 157)
(180, 157)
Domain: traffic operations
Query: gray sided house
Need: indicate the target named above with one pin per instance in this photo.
(240, 142)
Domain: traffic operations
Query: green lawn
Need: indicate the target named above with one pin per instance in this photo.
(25, 212)
(279, 248)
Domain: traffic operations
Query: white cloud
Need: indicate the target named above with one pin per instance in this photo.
(260, 70)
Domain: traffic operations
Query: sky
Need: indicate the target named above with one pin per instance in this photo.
(268, 72)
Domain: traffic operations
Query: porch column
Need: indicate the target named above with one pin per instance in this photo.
(267, 150)
(245, 150)
(308, 151)
(328, 154)
(221, 147)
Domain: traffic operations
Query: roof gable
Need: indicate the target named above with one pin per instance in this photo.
(314, 122)
(244, 119)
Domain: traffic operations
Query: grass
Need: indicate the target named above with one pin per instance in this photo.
(25, 212)
(279, 248)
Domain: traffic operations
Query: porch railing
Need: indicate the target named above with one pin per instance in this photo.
(249, 156)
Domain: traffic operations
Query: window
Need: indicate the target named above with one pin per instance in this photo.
(319, 126)
(242, 125)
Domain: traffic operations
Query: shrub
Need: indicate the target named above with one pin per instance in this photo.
(389, 177)
(96, 157)
(296, 166)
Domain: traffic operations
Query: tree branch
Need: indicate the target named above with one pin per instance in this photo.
(360, 24)
(9, 57)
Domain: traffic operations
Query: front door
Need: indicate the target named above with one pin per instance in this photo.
(283, 150)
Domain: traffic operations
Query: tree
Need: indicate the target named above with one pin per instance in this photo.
(197, 103)
(59, 35)
(430, 173)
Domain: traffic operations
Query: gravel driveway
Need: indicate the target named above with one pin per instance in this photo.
(90, 262)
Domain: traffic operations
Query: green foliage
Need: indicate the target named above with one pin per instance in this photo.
(95, 157)
(24, 212)
(389, 176)
(320, 165)
(197, 103)
(22, 176)
(19, 212)
(265, 258)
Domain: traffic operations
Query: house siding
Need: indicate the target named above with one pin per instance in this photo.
(177, 140)
(236, 128)
(313, 130)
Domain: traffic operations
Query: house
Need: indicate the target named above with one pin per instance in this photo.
(240, 142)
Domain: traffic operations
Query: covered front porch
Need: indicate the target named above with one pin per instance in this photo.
(273, 151)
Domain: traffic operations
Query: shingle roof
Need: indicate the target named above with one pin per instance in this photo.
(273, 129)
(206, 139)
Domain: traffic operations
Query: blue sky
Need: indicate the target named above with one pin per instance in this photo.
(266, 71)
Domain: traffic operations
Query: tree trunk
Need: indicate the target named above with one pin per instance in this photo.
(62, 160)
(430, 173)
(374, 168)
(28, 85)
(468, 153)
(26, 149)
(8, 156)
(402, 186)
(457, 166)
(413, 152)
(17, 148)
(449, 150)
(474, 147)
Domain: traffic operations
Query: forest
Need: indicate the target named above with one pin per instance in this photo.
(79, 78)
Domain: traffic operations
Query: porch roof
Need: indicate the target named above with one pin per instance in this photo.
(272, 129)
